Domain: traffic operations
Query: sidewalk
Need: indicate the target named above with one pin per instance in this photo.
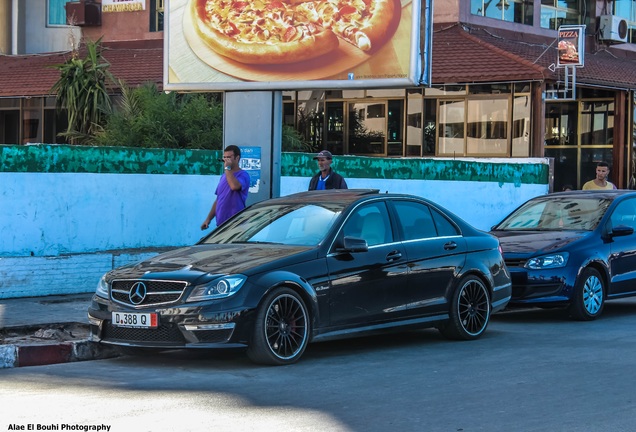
(46, 330)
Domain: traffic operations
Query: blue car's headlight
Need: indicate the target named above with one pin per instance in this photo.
(222, 287)
(548, 261)
(102, 287)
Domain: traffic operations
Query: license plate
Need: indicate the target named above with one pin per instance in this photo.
(136, 320)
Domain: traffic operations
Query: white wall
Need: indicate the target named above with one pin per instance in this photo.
(59, 232)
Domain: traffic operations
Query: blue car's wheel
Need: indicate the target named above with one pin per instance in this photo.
(589, 296)
(281, 329)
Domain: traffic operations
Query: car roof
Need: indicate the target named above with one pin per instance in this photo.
(606, 194)
(341, 196)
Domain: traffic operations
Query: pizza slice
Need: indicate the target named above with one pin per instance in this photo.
(259, 31)
(363, 23)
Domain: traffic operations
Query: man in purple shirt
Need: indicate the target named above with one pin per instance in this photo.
(232, 189)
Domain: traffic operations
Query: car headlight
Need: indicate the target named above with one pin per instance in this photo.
(548, 261)
(102, 287)
(222, 287)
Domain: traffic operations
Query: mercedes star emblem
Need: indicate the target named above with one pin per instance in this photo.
(138, 293)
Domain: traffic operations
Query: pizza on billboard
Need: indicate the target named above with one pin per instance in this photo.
(270, 32)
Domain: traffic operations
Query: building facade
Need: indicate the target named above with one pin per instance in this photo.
(498, 89)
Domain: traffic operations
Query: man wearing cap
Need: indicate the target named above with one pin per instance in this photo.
(232, 190)
(326, 178)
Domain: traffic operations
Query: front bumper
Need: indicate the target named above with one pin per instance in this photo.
(179, 326)
(540, 286)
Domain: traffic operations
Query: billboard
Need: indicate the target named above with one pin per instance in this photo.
(213, 45)
(571, 46)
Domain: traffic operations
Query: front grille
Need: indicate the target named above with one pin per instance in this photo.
(164, 333)
(156, 292)
(515, 262)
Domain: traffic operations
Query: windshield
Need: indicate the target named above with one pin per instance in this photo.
(555, 214)
(288, 224)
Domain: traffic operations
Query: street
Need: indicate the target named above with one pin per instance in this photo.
(534, 370)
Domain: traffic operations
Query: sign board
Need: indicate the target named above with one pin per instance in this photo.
(211, 45)
(123, 5)
(571, 46)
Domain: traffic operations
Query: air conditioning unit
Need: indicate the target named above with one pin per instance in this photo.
(612, 28)
(86, 13)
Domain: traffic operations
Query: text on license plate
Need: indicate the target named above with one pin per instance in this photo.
(134, 319)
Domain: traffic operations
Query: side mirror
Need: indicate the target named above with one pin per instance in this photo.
(353, 244)
(621, 230)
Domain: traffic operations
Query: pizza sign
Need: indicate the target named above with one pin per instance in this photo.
(571, 46)
(290, 44)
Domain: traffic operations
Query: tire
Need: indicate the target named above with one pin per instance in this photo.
(469, 310)
(281, 329)
(588, 299)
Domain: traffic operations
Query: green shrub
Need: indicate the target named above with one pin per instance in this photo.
(146, 117)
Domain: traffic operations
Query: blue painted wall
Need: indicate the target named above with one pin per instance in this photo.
(64, 207)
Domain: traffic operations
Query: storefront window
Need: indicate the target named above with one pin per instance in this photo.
(9, 119)
(32, 120)
(561, 123)
(487, 128)
(414, 123)
(521, 126)
(451, 127)
(367, 126)
(597, 123)
(577, 146)
(430, 127)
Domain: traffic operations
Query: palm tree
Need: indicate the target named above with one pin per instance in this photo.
(82, 91)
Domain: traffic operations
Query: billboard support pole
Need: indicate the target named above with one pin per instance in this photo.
(253, 121)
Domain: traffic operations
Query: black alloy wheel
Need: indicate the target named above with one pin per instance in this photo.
(281, 330)
(469, 310)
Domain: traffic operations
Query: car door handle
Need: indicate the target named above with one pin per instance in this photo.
(393, 256)
(450, 245)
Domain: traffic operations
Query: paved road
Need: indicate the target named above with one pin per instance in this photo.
(532, 371)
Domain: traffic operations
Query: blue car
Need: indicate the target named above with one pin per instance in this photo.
(571, 249)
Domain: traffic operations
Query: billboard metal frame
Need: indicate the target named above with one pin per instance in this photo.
(418, 73)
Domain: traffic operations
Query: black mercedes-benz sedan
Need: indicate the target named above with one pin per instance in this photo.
(307, 267)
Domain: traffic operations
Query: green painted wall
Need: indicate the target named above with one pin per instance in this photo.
(124, 160)
(108, 160)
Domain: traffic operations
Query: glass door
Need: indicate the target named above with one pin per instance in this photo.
(334, 126)
(367, 125)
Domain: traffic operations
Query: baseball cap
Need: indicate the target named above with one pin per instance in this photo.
(324, 154)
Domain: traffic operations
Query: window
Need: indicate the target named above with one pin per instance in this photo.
(56, 12)
(555, 13)
(518, 11)
(156, 15)
(597, 123)
(415, 220)
(371, 223)
(445, 228)
(451, 127)
(627, 9)
(487, 128)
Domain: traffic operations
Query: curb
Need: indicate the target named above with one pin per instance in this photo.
(12, 356)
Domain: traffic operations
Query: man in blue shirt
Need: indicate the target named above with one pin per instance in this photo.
(326, 177)
(232, 190)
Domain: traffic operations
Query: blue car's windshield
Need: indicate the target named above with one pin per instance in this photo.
(289, 224)
(557, 213)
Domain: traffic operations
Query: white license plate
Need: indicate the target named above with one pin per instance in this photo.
(134, 319)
